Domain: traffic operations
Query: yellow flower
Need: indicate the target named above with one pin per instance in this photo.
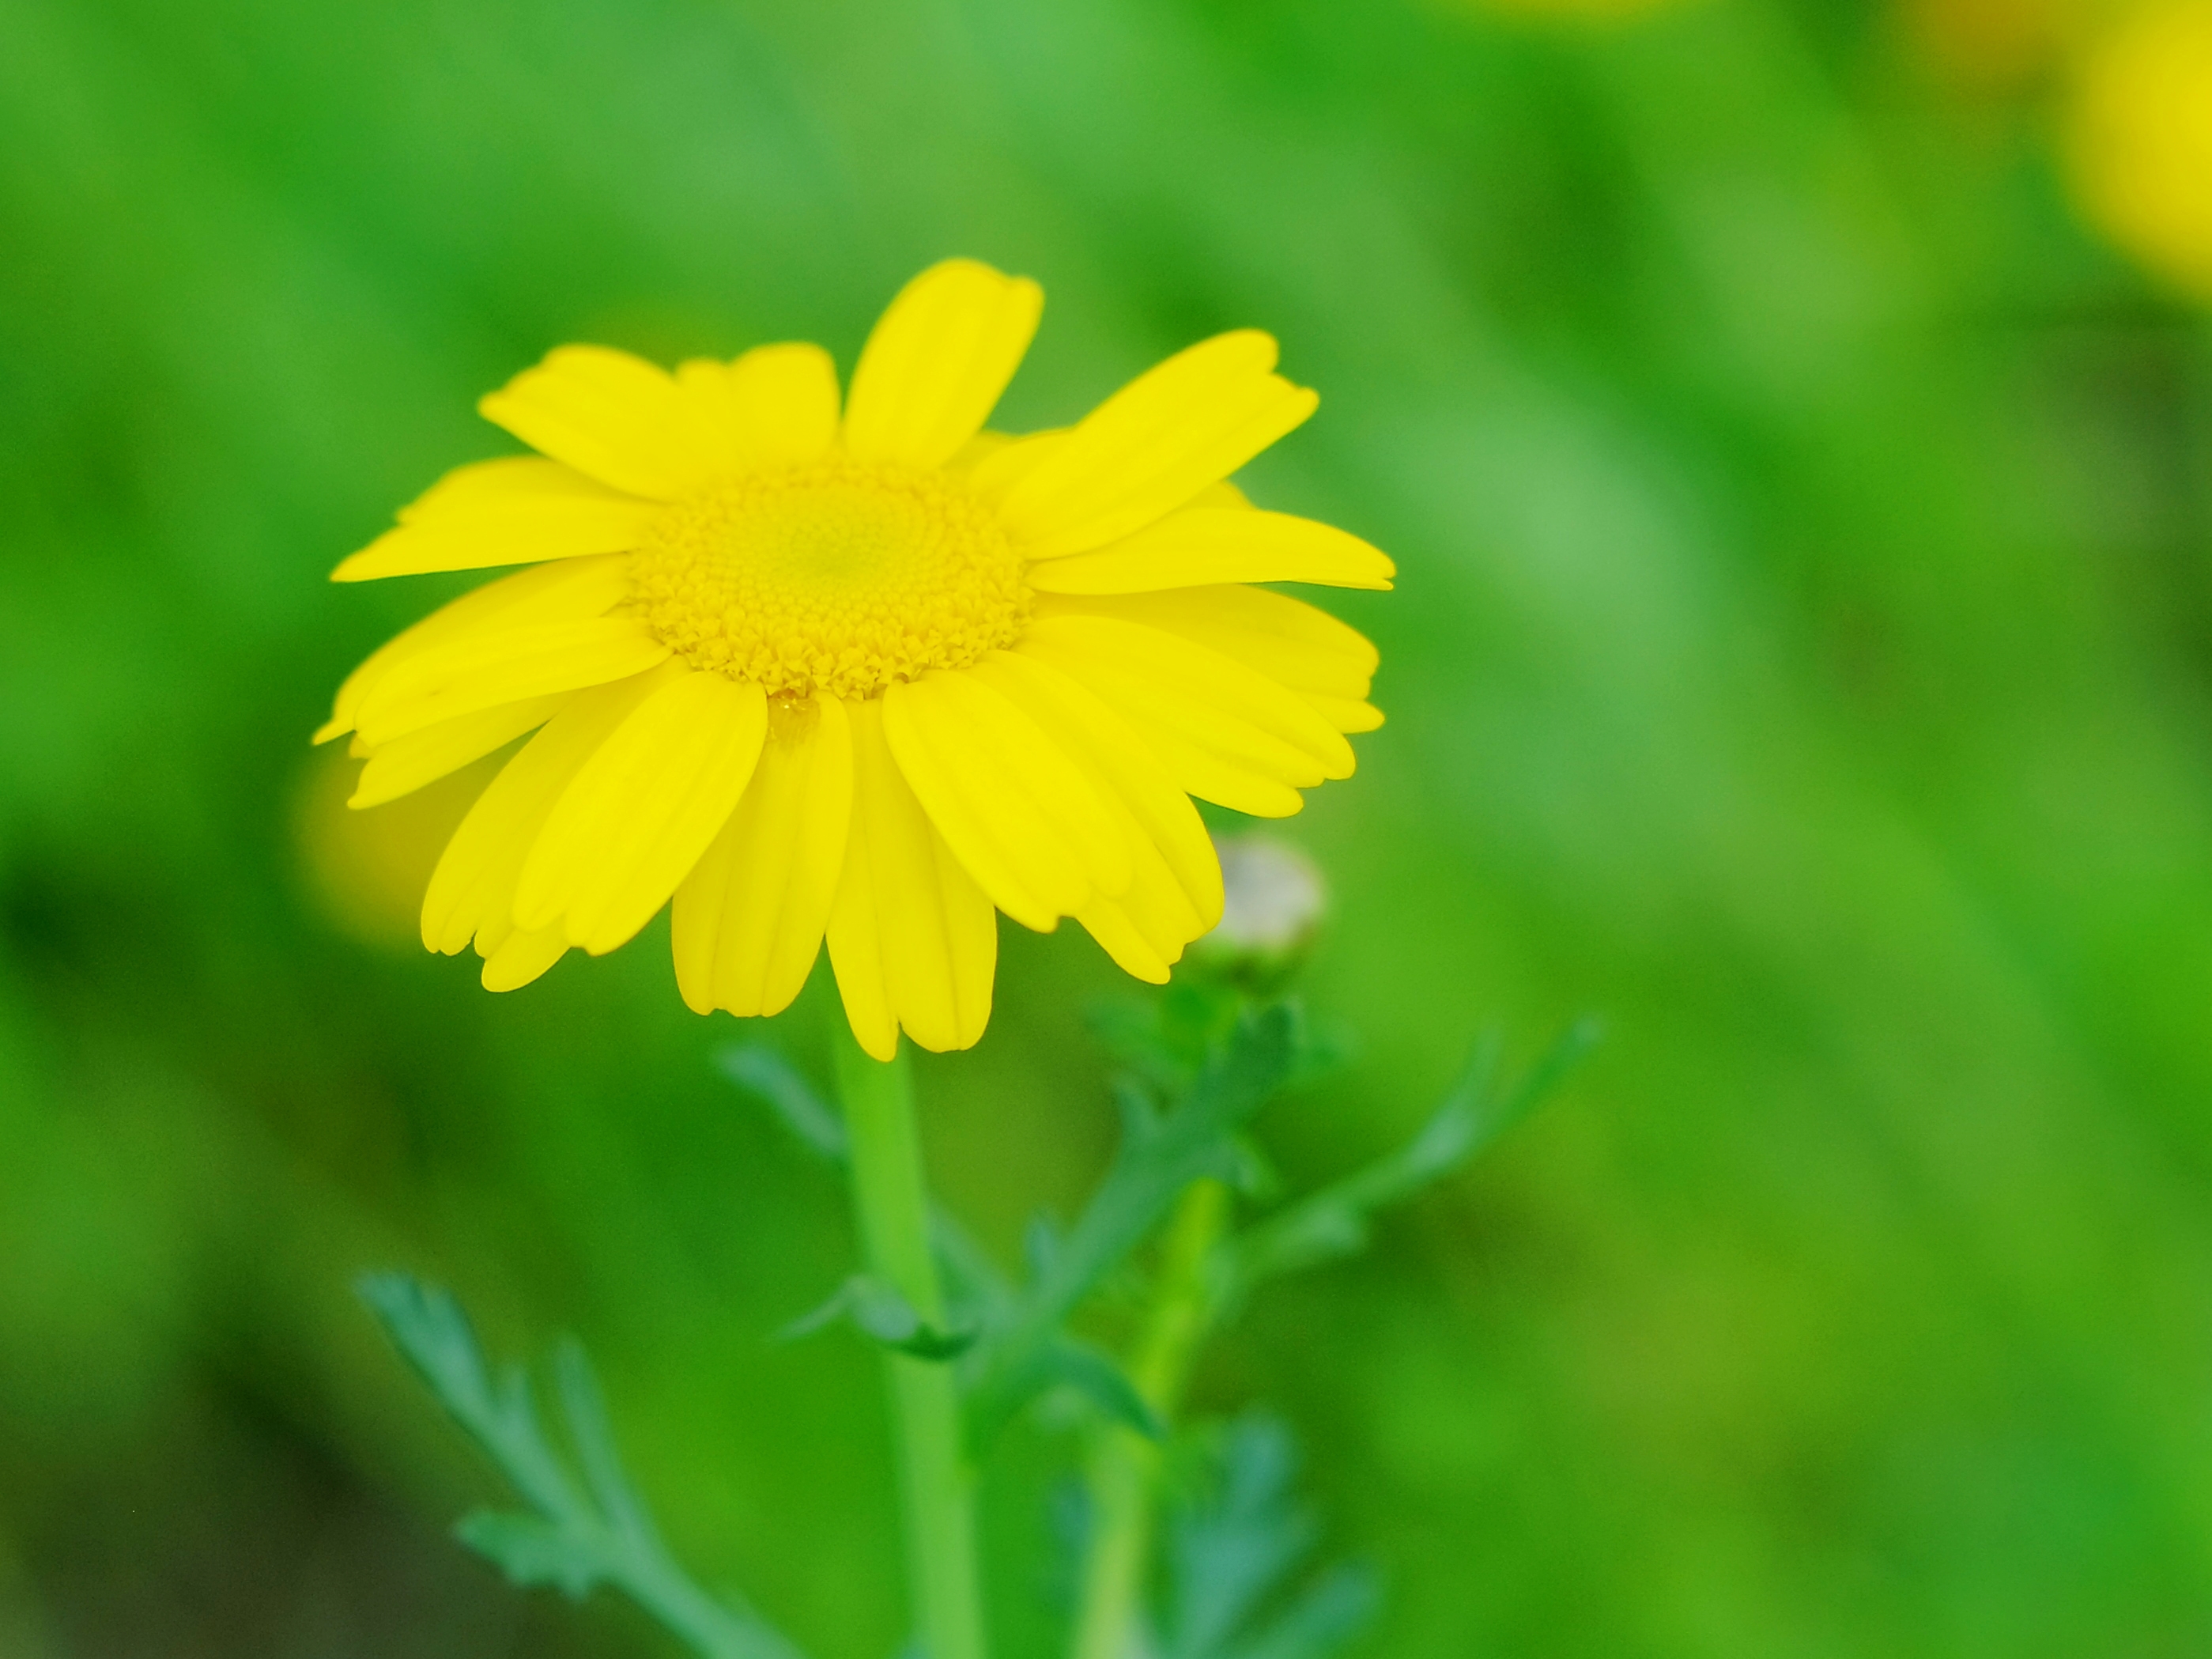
(2141, 139)
(865, 673)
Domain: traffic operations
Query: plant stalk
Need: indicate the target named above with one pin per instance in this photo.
(936, 1489)
(1124, 1465)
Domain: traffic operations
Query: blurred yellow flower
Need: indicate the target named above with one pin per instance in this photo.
(1989, 46)
(865, 673)
(2139, 139)
(365, 871)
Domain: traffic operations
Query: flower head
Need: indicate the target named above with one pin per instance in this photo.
(865, 673)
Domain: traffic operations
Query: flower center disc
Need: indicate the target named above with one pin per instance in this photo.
(837, 577)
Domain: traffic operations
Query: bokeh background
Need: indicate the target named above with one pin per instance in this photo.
(1793, 420)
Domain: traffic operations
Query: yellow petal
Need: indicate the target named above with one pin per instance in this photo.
(1018, 813)
(522, 957)
(1160, 680)
(480, 670)
(932, 370)
(405, 765)
(747, 923)
(639, 813)
(912, 937)
(1122, 939)
(1215, 757)
(978, 449)
(610, 415)
(471, 893)
(572, 591)
(1327, 665)
(1344, 713)
(1124, 771)
(1153, 445)
(1200, 545)
(995, 469)
(775, 406)
(1292, 642)
(1175, 888)
(521, 509)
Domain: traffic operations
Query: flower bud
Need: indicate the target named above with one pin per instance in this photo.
(1273, 899)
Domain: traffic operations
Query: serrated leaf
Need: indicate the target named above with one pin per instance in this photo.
(589, 1432)
(882, 1313)
(532, 1552)
(1325, 1049)
(1040, 1242)
(980, 1292)
(1252, 1174)
(1077, 1365)
(1196, 1138)
(1336, 1221)
(429, 1326)
(764, 1073)
(1319, 1620)
(879, 1311)
(575, 1539)
(1140, 1116)
(1237, 1539)
(761, 1072)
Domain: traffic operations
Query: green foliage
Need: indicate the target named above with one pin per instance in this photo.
(764, 1073)
(1336, 1220)
(571, 1537)
(977, 1282)
(1237, 1060)
(1159, 1154)
(1238, 1542)
(878, 1310)
(1237, 1536)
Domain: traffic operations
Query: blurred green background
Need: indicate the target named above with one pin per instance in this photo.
(1802, 658)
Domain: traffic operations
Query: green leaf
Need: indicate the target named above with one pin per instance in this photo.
(1154, 1162)
(1074, 1363)
(1040, 1242)
(1167, 1037)
(879, 1311)
(1336, 1221)
(574, 1537)
(533, 1552)
(430, 1329)
(1236, 1538)
(979, 1292)
(428, 1326)
(589, 1432)
(974, 1278)
(761, 1072)
(1319, 1620)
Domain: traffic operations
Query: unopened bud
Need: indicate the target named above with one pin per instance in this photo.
(1272, 897)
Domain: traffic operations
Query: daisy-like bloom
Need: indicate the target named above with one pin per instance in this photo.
(861, 672)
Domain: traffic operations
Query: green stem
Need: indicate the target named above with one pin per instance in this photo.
(936, 1489)
(1125, 1465)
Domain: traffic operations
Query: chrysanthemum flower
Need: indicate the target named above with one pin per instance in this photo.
(865, 673)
